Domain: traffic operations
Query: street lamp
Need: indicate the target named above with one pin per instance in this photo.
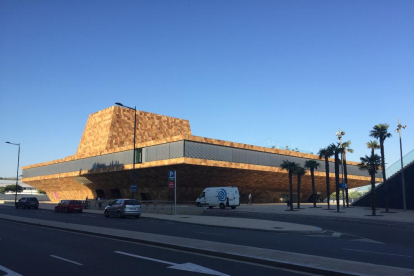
(133, 155)
(402, 166)
(17, 175)
(339, 135)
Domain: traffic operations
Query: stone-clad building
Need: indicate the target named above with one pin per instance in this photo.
(102, 165)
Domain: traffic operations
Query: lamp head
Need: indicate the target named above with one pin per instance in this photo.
(119, 104)
(7, 142)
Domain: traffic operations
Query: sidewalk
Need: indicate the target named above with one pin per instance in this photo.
(242, 223)
(349, 213)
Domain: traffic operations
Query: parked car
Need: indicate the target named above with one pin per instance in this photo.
(27, 202)
(122, 208)
(68, 206)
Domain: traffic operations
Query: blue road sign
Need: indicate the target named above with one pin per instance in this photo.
(133, 188)
(342, 185)
(171, 174)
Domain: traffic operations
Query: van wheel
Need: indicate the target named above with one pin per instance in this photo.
(222, 206)
(210, 207)
(198, 204)
(233, 207)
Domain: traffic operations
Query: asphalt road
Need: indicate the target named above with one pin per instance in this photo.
(31, 250)
(333, 244)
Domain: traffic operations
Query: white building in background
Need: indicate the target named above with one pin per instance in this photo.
(27, 190)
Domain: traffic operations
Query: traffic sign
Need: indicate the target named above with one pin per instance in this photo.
(342, 185)
(133, 188)
(171, 174)
(171, 184)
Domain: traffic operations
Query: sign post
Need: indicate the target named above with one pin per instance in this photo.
(172, 184)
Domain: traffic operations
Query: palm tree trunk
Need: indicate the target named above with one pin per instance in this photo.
(337, 178)
(298, 205)
(328, 192)
(383, 175)
(290, 190)
(346, 179)
(313, 187)
(373, 199)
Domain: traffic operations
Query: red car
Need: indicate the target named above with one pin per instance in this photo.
(68, 206)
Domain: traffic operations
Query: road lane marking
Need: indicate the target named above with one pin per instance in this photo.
(186, 266)
(336, 234)
(9, 272)
(66, 260)
(210, 233)
(376, 252)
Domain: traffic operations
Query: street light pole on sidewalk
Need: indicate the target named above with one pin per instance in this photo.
(17, 175)
(402, 164)
(340, 134)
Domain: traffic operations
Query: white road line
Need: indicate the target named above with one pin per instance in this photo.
(145, 258)
(66, 260)
(186, 266)
(9, 272)
(210, 233)
(377, 252)
(336, 234)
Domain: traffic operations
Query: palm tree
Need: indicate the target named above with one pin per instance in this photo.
(380, 132)
(346, 148)
(326, 153)
(290, 167)
(371, 164)
(312, 165)
(373, 145)
(299, 171)
(337, 150)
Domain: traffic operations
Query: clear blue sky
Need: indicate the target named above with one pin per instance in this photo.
(293, 72)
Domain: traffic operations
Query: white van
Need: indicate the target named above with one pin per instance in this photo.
(219, 196)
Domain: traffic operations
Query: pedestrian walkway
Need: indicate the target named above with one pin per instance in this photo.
(349, 213)
(241, 223)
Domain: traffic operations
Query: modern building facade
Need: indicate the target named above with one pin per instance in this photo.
(102, 165)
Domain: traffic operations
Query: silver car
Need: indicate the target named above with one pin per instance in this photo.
(123, 207)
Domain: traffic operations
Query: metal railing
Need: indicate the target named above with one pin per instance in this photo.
(396, 167)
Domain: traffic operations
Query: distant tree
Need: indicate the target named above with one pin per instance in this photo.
(312, 165)
(346, 148)
(373, 145)
(41, 192)
(326, 153)
(380, 132)
(371, 164)
(299, 171)
(290, 167)
(2, 190)
(12, 188)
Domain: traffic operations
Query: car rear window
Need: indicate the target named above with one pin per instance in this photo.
(75, 202)
(131, 202)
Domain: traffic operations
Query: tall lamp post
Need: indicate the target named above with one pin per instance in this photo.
(17, 175)
(133, 156)
(340, 134)
(402, 164)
